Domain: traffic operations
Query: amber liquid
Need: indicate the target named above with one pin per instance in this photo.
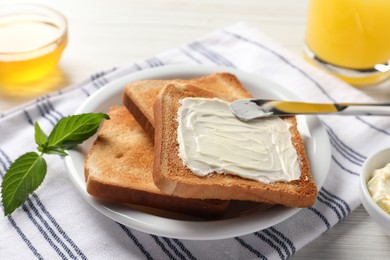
(29, 50)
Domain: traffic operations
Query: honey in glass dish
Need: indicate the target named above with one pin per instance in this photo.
(32, 39)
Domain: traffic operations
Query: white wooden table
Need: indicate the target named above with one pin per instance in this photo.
(108, 33)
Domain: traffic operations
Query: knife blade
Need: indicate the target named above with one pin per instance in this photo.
(248, 109)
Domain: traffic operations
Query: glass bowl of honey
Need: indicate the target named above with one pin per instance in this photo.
(33, 38)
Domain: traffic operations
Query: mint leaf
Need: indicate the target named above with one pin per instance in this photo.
(73, 130)
(55, 150)
(29, 170)
(22, 178)
(40, 137)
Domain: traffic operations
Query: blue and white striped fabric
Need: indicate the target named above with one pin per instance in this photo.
(56, 223)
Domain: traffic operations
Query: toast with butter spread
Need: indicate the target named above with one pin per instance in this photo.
(171, 176)
(139, 96)
(118, 168)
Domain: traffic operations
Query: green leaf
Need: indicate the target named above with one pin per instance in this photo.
(73, 130)
(54, 150)
(40, 137)
(22, 178)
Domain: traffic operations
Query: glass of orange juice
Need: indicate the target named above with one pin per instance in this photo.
(350, 39)
(32, 38)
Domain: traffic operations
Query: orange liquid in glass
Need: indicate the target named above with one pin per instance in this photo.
(353, 34)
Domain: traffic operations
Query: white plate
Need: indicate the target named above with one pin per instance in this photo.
(314, 135)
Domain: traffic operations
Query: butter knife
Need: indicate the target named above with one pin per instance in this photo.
(248, 109)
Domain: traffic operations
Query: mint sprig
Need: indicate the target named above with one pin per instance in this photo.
(28, 171)
(23, 177)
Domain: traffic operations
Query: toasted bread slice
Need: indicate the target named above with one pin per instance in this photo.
(139, 96)
(119, 167)
(172, 177)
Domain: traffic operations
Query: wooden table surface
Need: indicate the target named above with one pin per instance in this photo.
(107, 33)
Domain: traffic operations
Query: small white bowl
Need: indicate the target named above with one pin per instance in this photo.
(376, 161)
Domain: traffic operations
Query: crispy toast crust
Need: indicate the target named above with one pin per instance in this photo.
(139, 97)
(118, 168)
(172, 177)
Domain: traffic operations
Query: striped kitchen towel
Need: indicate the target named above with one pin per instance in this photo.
(55, 222)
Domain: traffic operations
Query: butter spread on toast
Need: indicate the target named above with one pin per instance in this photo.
(212, 139)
